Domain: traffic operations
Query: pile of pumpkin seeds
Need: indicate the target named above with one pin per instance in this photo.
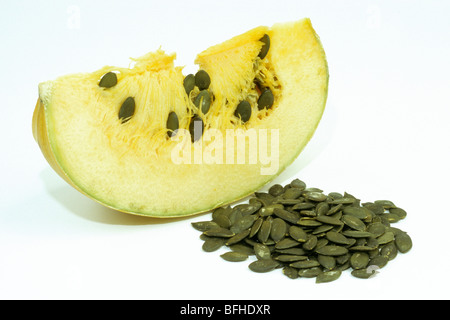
(307, 233)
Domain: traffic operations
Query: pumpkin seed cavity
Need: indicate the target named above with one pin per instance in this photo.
(127, 109)
(307, 233)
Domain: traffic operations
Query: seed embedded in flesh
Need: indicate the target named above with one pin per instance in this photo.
(172, 124)
(108, 80)
(203, 101)
(265, 47)
(189, 83)
(196, 128)
(243, 111)
(127, 109)
(266, 99)
(202, 80)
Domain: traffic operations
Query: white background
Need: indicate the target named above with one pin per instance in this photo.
(384, 135)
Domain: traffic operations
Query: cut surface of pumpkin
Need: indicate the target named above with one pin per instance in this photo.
(150, 140)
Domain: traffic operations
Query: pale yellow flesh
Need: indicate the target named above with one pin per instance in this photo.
(117, 165)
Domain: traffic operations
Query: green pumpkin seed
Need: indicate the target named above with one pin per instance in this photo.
(309, 222)
(386, 237)
(127, 109)
(303, 206)
(364, 273)
(403, 242)
(358, 212)
(243, 223)
(298, 234)
(290, 258)
(189, 83)
(203, 101)
(256, 226)
(291, 217)
(304, 264)
(242, 248)
(359, 260)
(202, 80)
(172, 124)
(386, 204)
(286, 243)
(290, 272)
(389, 250)
(311, 243)
(261, 266)
(310, 272)
(266, 99)
(315, 196)
(328, 262)
(297, 183)
(204, 225)
(353, 222)
(108, 80)
(357, 234)
(331, 250)
(265, 47)
(377, 229)
(276, 190)
(399, 212)
(337, 237)
(293, 251)
(379, 261)
(213, 244)
(238, 237)
(264, 231)
(196, 127)
(233, 256)
(278, 230)
(328, 276)
(329, 220)
(262, 251)
(218, 232)
(243, 111)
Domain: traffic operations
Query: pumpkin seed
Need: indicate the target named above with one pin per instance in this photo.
(265, 100)
(311, 243)
(127, 109)
(243, 111)
(290, 272)
(172, 124)
(189, 83)
(219, 232)
(286, 243)
(242, 248)
(337, 237)
(264, 231)
(286, 215)
(403, 242)
(233, 256)
(202, 80)
(358, 212)
(329, 220)
(389, 250)
(310, 272)
(265, 265)
(328, 276)
(204, 225)
(265, 47)
(298, 234)
(262, 251)
(353, 222)
(315, 196)
(328, 262)
(213, 244)
(278, 230)
(332, 250)
(237, 238)
(303, 264)
(290, 258)
(196, 127)
(398, 212)
(297, 183)
(203, 101)
(386, 237)
(359, 260)
(364, 273)
(276, 190)
(379, 261)
(108, 80)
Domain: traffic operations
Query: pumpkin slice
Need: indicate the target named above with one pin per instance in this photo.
(151, 141)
